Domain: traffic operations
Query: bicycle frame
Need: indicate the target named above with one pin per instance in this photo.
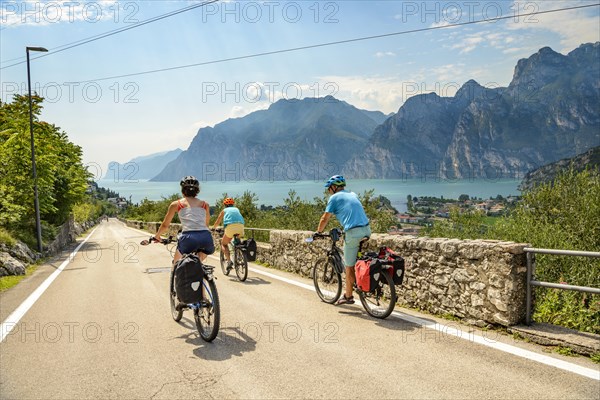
(379, 302)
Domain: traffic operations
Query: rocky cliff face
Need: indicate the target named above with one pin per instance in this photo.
(549, 111)
(292, 140)
(589, 160)
(144, 167)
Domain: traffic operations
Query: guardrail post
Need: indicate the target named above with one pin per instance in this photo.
(530, 264)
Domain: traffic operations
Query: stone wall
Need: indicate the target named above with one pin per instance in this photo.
(67, 234)
(14, 259)
(480, 281)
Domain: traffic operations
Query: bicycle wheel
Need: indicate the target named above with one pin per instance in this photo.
(241, 264)
(328, 283)
(208, 315)
(223, 264)
(173, 299)
(380, 302)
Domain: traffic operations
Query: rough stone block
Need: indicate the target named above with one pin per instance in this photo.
(10, 265)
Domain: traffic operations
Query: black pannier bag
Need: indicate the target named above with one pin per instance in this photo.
(387, 254)
(188, 279)
(250, 249)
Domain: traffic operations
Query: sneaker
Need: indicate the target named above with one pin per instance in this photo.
(180, 306)
(345, 300)
(229, 265)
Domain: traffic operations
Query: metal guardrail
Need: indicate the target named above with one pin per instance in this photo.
(531, 251)
(263, 236)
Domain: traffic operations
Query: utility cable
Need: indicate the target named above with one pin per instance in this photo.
(255, 55)
(111, 33)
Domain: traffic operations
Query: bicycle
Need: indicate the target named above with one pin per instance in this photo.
(327, 277)
(207, 314)
(238, 253)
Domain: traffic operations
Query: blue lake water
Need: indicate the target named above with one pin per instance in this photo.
(274, 192)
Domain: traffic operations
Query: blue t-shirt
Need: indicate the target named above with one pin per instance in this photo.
(232, 215)
(347, 209)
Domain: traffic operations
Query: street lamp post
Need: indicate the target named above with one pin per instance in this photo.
(36, 202)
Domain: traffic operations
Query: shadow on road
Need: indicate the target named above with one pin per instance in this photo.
(392, 322)
(249, 281)
(230, 342)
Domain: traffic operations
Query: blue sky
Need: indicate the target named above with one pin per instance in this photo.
(121, 118)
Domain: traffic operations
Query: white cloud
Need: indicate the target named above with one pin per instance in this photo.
(381, 54)
(469, 43)
(201, 124)
(573, 27)
(31, 13)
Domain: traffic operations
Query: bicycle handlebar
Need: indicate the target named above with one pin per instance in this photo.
(152, 239)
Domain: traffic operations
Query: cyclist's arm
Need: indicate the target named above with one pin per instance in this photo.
(207, 209)
(219, 219)
(323, 222)
(167, 221)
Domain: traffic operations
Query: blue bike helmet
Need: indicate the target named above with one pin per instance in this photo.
(336, 180)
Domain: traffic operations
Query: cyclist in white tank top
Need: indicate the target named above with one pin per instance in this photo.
(194, 215)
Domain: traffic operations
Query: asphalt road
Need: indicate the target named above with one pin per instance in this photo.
(103, 329)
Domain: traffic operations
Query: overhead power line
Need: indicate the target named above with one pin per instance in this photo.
(313, 46)
(111, 33)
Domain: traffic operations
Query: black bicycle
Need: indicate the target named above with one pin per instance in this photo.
(238, 254)
(379, 302)
(207, 313)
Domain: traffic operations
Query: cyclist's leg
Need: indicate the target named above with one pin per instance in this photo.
(177, 256)
(225, 247)
(230, 231)
(352, 240)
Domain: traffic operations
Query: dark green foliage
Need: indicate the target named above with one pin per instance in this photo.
(294, 214)
(563, 214)
(150, 210)
(62, 178)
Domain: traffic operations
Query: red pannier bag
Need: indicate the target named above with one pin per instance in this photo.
(387, 254)
(367, 270)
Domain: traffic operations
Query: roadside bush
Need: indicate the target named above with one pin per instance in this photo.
(564, 214)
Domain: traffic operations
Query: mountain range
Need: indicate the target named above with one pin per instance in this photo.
(143, 167)
(549, 111)
(589, 160)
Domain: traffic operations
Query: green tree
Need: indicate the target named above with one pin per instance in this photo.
(246, 203)
(381, 215)
(461, 224)
(62, 178)
(563, 214)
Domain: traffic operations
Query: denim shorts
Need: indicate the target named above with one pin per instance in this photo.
(192, 241)
(352, 240)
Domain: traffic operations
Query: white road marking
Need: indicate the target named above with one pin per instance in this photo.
(470, 336)
(456, 332)
(14, 318)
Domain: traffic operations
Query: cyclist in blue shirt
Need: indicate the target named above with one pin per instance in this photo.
(349, 211)
(233, 222)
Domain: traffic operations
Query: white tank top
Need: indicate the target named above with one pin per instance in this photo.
(192, 219)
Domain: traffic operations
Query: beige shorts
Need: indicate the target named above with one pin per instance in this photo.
(234, 229)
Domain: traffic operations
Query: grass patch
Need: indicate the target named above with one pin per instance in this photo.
(7, 238)
(565, 351)
(6, 282)
(596, 358)
(450, 317)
